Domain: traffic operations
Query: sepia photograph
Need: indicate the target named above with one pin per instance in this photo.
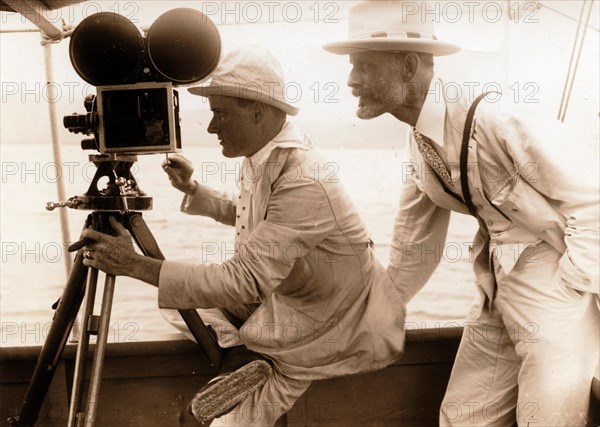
(300, 213)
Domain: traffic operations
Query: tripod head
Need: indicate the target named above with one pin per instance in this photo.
(121, 192)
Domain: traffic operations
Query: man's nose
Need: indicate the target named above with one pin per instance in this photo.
(211, 127)
(354, 79)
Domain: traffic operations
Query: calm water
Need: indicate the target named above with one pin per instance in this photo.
(33, 272)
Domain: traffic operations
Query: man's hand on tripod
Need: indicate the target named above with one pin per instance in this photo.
(180, 171)
(116, 255)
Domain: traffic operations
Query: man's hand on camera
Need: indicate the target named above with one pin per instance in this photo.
(180, 171)
(116, 255)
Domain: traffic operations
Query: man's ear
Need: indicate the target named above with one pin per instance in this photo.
(259, 111)
(410, 66)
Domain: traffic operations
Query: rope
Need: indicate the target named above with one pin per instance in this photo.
(67, 30)
(570, 79)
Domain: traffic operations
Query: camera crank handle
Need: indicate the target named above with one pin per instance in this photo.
(73, 203)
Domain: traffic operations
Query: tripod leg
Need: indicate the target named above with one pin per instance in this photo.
(96, 375)
(147, 244)
(64, 317)
(203, 337)
(82, 349)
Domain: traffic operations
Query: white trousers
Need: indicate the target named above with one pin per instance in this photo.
(531, 358)
(270, 401)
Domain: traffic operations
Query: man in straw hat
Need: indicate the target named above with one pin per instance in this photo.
(304, 288)
(530, 344)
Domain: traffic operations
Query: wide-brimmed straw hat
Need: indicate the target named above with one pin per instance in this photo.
(391, 26)
(250, 72)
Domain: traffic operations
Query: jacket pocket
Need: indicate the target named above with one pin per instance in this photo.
(567, 289)
(527, 208)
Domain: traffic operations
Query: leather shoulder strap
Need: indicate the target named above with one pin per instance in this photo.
(464, 155)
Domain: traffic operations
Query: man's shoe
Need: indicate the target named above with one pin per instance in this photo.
(222, 394)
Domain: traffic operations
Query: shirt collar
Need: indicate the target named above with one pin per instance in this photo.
(252, 167)
(291, 137)
(433, 114)
(288, 137)
(263, 154)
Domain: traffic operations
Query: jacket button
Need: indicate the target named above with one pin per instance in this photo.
(480, 207)
(490, 222)
(514, 209)
(587, 282)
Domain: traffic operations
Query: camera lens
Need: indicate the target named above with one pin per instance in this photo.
(106, 49)
(80, 123)
(184, 45)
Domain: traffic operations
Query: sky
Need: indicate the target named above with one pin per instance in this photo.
(514, 45)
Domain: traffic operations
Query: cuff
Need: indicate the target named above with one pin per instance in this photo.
(169, 292)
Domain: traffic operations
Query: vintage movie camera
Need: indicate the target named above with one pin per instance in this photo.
(136, 108)
(135, 111)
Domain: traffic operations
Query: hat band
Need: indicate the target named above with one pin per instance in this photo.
(264, 91)
(392, 34)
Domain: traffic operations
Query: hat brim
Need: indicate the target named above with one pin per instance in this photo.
(435, 47)
(246, 93)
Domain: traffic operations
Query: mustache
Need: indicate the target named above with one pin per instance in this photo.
(357, 93)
